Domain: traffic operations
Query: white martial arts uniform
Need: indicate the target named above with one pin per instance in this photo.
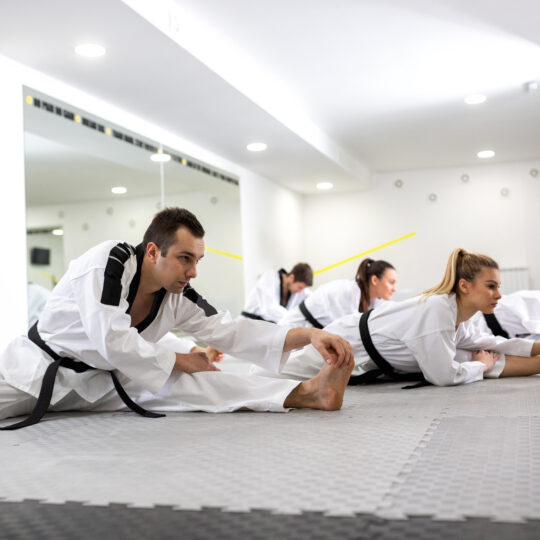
(328, 303)
(415, 335)
(177, 344)
(264, 300)
(37, 298)
(86, 318)
(517, 313)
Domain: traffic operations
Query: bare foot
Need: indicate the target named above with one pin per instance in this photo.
(325, 391)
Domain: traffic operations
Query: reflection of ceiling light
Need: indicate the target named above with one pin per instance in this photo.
(484, 154)
(160, 157)
(475, 99)
(256, 147)
(119, 190)
(90, 50)
(58, 232)
(325, 185)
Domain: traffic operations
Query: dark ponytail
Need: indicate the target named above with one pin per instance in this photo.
(367, 269)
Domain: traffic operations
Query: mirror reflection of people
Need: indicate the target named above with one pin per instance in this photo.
(375, 280)
(426, 336)
(277, 291)
(37, 298)
(101, 327)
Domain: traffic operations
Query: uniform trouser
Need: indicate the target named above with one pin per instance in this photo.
(308, 362)
(209, 391)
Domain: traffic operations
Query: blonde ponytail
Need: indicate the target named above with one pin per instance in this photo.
(461, 265)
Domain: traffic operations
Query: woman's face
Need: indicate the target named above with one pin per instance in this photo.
(483, 293)
(384, 287)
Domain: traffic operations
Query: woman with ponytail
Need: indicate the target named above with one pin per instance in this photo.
(422, 339)
(374, 280)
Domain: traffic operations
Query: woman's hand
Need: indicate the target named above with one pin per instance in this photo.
(488, 358)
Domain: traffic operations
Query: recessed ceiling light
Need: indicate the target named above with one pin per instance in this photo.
(475, 99)
(119, 190)
(160, 157)
(90, 50)
(256, 147)
(58, 232)
(325, 185)
(484, 154)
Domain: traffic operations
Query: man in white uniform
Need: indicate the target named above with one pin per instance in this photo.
(276, 292)
(95, 344)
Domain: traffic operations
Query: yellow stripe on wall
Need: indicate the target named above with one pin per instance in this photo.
(219, 252)
(364, 253)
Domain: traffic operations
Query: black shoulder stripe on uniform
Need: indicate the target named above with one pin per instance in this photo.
(191, 294)
(112, 284)
(119, 253)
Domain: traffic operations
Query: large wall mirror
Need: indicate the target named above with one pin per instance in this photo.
(73, 160)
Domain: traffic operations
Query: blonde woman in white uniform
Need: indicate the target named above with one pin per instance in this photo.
(422, 338)
(374, 280)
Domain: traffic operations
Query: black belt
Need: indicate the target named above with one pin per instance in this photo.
(384, 368)
(255, 317)
(309, 317)
(495, 325)
(47, 385)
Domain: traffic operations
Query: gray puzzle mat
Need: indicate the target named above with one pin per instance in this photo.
(449, 453)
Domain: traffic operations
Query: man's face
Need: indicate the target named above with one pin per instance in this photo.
(179, 266)
(297, 286)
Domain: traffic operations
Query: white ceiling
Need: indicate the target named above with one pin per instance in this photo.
(329, 86)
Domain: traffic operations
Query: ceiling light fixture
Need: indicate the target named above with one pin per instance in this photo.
(90, 50)
(58, 232)
(325, 185)
(256, 147)
(485, 154)
(119, 190)
(160, 157)
(475, 99)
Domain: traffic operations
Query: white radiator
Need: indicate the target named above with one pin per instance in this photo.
(514, 279)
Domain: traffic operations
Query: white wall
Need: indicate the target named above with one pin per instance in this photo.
(472, 215)
(273, 225)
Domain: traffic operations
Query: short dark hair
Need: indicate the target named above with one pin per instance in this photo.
(162, 230)
(303, 272)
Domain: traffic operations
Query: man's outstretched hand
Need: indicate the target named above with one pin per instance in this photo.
(194, 362)
(335, 350)
(213, 354)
